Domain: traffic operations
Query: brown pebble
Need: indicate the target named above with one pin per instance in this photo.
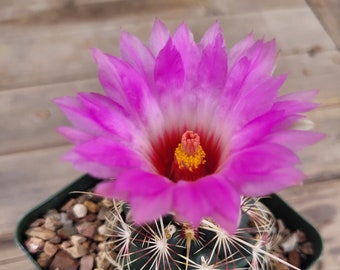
(89, 218)
(91, 206)
(294, 258)
(52, 224)
(55, 240)
(86, 262)
(40, 232)
(108, 203)
(87, 229)
(34, 244)
(43, 260)
(62, 260)
(50, 249)
(68, 206)
(37, 223)
(67, 231)
(307, 248)
(103, 213)
(52, 213)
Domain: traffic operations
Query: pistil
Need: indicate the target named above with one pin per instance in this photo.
(189, 158)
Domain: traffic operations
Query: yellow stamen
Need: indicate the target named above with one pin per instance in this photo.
(190, 162)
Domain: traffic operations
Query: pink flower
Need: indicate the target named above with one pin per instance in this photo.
(188, 127)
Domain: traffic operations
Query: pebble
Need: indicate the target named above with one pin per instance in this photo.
(87, 262)
(50, 249)
(70, 237)
(62, 260)
(41, 233)
(79, 210)
(34, 244)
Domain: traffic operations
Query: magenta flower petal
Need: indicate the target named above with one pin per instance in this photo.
(188, 128)
(169, 69)
(151, 197)
(213, 66)
(259, 164)
(202, 199)
(159, 37)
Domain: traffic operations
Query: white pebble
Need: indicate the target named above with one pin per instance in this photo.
(79, 210)
(102, 229)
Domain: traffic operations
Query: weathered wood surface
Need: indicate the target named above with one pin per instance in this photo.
(44, 53)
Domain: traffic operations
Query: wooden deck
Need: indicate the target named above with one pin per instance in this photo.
(44, 53)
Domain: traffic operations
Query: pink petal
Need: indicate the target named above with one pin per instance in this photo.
(111, 154)
(109, 115)
(134, 52)
(159, 37)
(169, 70)
(275, 181)
(238, 50)
(93, 168)
(295, 139)
(150, 195)
(185, 44)
(213, 67)
(256, 131)
(259, 164)
(208, 197)
(79, 116)
(75, 136)
(128, 88)
(257, 101)
(211, 34)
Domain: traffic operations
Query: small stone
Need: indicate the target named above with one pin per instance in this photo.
(290, 243)
(101, 260)
(294, 258)
(307, 248)
(37, 223)
(55, 240)
(86, 262)
(99, 238)
(41, 233)
(43, 260)
(52, 224)
(52, 213)
(79, 210)
(77, 251)
(34, 244)
(89, 218)
(91, 206)
(102, 230)
(103, 213)
(67, 231)
(65, 244)
(107, 203)
(87, 229)
(68, 206)
(50, 249)
(62, 260)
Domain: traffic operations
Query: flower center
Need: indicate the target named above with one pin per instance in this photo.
(189, 158)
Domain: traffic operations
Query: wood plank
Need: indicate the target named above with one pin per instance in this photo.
(30, 117)
(52, 53)
(328, 12)
(319, 203)
(27, 179)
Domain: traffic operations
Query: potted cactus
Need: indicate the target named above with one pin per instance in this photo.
(187, 139)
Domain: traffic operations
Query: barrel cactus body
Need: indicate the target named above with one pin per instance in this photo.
(170, 244)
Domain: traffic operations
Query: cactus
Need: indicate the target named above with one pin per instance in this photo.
(169, 244)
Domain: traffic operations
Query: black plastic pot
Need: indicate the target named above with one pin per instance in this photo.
(279, 208)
